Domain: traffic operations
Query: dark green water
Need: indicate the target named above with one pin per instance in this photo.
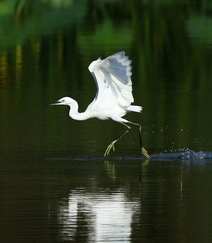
(45, 49)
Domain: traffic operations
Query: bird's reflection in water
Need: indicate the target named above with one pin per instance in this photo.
(110, 169)
(99, 217)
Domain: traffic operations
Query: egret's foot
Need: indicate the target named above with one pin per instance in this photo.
(109, 147)
(145, 153)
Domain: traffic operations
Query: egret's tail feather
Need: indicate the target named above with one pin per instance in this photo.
(135, 108)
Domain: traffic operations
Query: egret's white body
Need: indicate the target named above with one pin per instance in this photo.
(114, 93)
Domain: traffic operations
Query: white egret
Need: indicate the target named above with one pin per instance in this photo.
(114, 96)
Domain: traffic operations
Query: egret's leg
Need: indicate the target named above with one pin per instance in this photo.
(112, 144)
(143, 150)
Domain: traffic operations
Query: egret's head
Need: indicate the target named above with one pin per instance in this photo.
(65, 101)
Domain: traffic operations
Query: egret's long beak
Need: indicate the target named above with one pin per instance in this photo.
(57, 103)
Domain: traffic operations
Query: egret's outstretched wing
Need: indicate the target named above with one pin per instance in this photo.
(119, 66)
(113, 78)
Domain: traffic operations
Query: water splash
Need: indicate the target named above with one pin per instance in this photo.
(183, 154)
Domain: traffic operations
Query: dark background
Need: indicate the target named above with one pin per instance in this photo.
(45, 49)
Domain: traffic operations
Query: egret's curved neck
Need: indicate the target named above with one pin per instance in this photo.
(74, 114)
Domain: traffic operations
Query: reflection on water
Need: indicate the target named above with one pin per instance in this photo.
(69, 201)
(105, 217)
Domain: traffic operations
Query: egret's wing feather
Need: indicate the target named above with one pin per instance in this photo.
(117, 71)
(97, 86)
(113, 78)
(119, 66)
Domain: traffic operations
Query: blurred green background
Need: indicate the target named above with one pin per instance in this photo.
(47, 45)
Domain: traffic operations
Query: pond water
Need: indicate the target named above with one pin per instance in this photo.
(55, 185)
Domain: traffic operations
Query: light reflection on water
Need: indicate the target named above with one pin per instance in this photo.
(89, 201)
(107, 216)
